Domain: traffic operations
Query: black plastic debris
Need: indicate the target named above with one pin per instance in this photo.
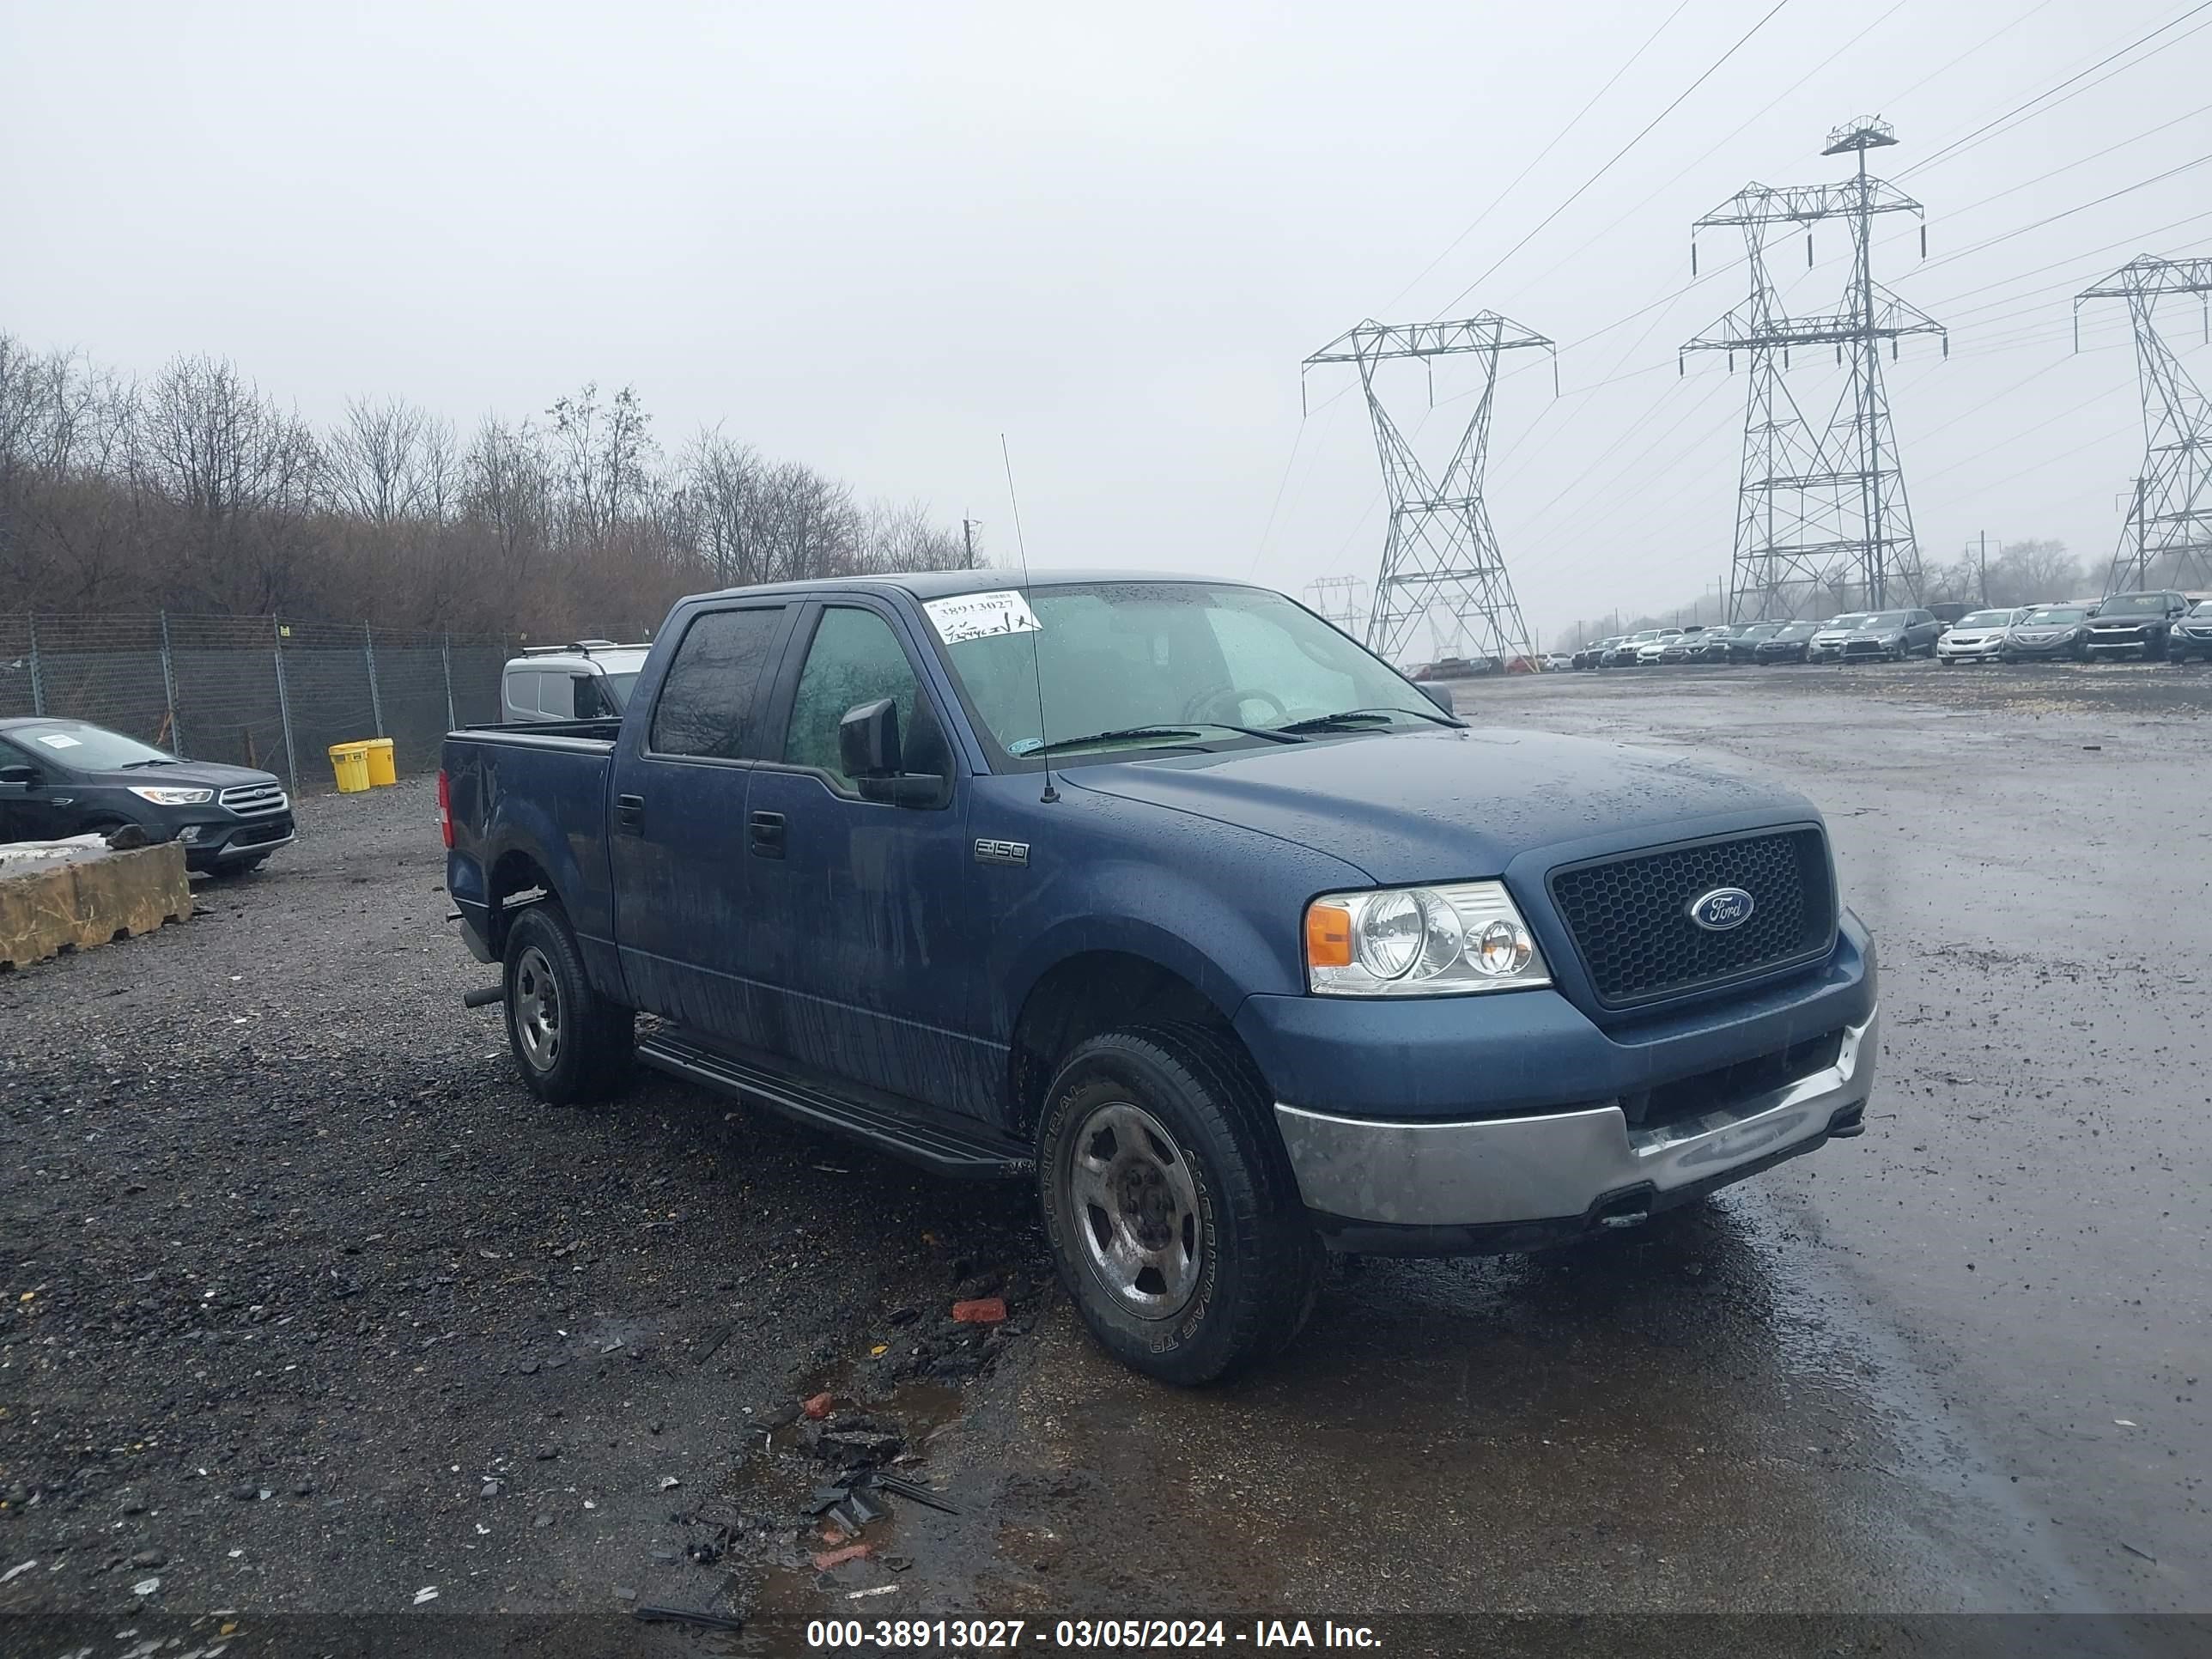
(650, 1613)
(914, 1492)
(865, 1507)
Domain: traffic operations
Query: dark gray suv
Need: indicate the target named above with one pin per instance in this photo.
(1893, 635)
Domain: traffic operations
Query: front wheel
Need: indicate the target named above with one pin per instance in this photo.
(1174, 1217)
(570, 1043)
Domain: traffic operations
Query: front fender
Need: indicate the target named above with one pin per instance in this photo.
(1141, 915)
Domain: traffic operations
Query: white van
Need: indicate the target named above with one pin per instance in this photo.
(584, 680)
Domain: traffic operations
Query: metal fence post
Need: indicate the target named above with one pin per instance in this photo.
(38, 680)
(284, 706)
(169, 690)
(375, 702)
(446, 651)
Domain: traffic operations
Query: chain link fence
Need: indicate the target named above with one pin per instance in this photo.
(254, 691)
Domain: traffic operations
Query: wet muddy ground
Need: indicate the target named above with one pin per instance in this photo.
(297, 1229)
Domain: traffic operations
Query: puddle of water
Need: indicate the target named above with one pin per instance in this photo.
(790, 1594)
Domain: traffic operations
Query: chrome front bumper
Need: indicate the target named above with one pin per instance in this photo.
(1562, 1166)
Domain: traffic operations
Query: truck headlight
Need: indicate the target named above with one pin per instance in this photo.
(1421, 941)
(172, 796)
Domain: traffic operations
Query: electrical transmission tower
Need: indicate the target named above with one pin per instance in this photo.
(1821, 506)
(1440, 559)
(1342, 600)
(2169, 528)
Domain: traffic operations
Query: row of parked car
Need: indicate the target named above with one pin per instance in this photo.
(2158, 625)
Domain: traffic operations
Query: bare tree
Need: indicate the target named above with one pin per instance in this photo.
(2031, 572)
(197, 492)
(240, 473)
(715, 509)
(604, 453)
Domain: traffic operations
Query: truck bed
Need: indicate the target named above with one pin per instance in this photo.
(538, 788)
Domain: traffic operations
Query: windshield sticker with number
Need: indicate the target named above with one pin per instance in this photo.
(978, 616)
(60, 740)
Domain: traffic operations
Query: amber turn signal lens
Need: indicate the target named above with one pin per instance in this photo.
(1329, 936)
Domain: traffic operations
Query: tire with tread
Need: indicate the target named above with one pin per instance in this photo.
(1260, 1261)
(598, 1038)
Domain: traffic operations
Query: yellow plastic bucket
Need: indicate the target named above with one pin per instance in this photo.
(350, 761)
(380, 769)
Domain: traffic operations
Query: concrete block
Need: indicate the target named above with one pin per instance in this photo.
(84, 895)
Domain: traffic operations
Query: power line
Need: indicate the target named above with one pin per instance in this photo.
(1479, 218)
(1662, 189)
(1959, 145)
(1711, 71)
(2045, 177)
(1978, 47)
(2109, 196)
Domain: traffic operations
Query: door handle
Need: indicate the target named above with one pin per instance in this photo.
(764, 830)
(629, 814)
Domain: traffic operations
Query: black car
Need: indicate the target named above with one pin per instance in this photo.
(1588, 656)
(2134, 624)
(1787, 643)
(2048, 632)
(1743, 642)
(2191, 636)
(1685, 646)
(60, 778)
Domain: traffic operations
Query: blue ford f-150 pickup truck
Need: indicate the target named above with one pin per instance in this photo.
(1163, 892)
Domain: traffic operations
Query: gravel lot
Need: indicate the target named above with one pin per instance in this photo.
(309, 1306)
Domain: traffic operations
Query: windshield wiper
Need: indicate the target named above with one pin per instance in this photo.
(132, 766)
(1109, 737)
(1363, 717)
(1197, 729)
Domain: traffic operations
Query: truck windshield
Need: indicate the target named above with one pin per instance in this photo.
(1164, 664)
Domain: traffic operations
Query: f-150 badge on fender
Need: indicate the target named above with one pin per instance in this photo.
(1002, 852)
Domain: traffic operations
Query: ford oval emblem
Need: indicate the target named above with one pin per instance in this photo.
(1721, 908)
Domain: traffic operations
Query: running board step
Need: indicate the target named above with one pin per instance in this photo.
(881, 1121)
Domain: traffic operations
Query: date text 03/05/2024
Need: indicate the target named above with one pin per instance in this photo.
(983, 1634)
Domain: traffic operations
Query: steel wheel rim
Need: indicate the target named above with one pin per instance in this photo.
(1134, 1205)
(537, 1000)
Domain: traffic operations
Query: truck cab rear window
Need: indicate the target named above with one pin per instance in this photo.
(711, 698)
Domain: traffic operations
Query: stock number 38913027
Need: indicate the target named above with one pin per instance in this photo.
(976, 1635)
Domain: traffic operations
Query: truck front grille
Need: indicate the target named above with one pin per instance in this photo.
(1629, 915)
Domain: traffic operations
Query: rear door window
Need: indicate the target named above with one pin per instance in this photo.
(556, 696)
(710, 701)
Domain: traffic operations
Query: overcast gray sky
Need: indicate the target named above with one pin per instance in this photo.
(873, 237)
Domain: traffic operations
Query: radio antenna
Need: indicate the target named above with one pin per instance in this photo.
(1036, 666)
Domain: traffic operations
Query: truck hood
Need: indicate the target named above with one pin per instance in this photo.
(1445, 804)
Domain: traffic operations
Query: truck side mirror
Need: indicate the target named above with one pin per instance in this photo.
(1441, 696)
(25, 775)
(868, 740)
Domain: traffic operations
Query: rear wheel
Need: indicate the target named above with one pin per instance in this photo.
(571, 1044)
(1174, 1216)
